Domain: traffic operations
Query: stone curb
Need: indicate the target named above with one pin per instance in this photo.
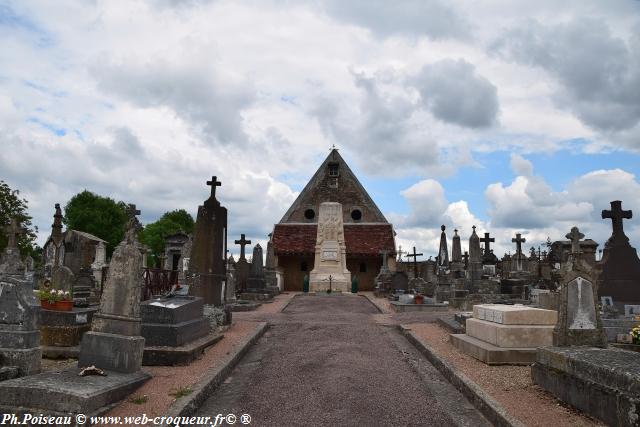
(284, 307)
(489, 407)
(374, 304)
(207, 385)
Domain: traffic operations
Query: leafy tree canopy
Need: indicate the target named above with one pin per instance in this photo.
(101, 216)
(170, 223)
(11, 205)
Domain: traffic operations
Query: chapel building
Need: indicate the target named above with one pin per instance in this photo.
(366, 231)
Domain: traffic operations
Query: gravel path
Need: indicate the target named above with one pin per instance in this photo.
(326, 361)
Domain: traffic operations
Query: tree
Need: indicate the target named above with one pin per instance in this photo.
(101, 216)
(154, 234)
(11, 205)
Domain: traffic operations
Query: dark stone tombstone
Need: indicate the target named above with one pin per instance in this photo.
(474, 267)
(400, 281)
(207, 265)
(242, 266)
(256, 281)
(620, 277)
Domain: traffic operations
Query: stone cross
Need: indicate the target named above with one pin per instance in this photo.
(575, 237)
(415, 261)
(384, 254)
(400, 253)
(487, 243)
(214, 183)
(616, 214)
(132, 211)
(14, 231)
(242, 242)
(518, 240)
(465, 258)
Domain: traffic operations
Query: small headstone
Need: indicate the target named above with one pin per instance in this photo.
(400, 281)
(631, 310)
(62, 278)
(578, 320)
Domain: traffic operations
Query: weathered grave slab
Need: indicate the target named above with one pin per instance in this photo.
(514, 314)
(510, 336)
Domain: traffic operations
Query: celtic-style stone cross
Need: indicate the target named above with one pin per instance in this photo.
(242, 242)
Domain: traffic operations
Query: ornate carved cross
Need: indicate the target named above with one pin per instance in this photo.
(575, 235)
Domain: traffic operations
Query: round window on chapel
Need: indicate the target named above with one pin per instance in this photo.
(356, 215)
(309, 214)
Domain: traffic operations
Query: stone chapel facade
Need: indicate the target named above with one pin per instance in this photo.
(366, 230)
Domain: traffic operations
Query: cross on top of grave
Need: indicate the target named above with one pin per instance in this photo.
(519, 240)
(575, 235)
(465, 258)
(616, 214)
(214, 183)
(14, 230)
(242, 242)
(487, 242)
(415, 261)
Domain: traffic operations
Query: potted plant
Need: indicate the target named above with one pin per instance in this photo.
(418, 298)
(55, 299)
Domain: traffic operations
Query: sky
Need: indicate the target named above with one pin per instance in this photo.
(514, 116)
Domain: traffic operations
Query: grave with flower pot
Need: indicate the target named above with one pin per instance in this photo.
(61, 324)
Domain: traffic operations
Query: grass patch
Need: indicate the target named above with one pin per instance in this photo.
(139, 400)
(181, 392)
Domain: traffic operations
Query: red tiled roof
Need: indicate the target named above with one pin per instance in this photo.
(360, 239)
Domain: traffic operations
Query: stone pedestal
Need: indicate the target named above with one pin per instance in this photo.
(330, 266)
(506, 334)
(61, 331)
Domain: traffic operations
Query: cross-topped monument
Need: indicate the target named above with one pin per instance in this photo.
(575, 236)
(385, 265)
(518, 240)
(487, 243)
(616, 214)
(465, 258)
(242, 242)
(14, 231)
(415, 261)
(214, 183)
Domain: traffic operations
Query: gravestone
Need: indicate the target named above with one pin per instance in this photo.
(53, 249)
(415, 256)
(99, 263)
(578, 319)
(62, 278)
(256, 281)
(384, 278)
(488, 257)
(230, 291)
(20, 352)
(114, 342)
(519, 259)
(242, 266)
(207, 264)
(330, 265)
(620, 277)
(270, 274)
(443, 252)
(400, 281)
(474, 268)
(174, 329)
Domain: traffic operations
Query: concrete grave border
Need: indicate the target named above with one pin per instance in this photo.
(204, 388)
(489, 407)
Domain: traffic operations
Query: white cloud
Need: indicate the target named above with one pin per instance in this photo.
(520, 166)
